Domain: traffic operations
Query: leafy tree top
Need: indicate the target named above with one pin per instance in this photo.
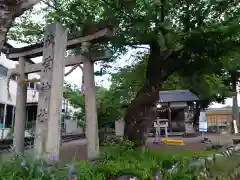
(195, 32)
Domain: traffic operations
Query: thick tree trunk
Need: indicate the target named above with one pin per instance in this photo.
(142, 111)
(140, 115)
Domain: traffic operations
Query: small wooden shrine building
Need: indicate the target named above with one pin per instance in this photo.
(174, 105)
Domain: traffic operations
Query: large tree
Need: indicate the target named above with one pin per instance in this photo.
(182, 35)
(209, 87)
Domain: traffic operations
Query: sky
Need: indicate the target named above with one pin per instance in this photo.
(75, 78)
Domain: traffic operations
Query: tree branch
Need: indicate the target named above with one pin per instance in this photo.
(116, 8)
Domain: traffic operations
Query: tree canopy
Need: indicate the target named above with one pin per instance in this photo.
(127, 81)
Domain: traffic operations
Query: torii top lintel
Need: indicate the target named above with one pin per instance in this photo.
(36, 50)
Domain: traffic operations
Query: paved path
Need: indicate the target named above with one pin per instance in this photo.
(70, 151)
(74, 150)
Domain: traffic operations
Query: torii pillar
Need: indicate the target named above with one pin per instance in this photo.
(48, 123)
(20, 114)
(90, 104)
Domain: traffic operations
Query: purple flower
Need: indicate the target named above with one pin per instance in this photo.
(72, 171)
(22, 164)
(53, 158)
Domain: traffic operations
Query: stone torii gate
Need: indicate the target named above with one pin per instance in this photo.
(48, 122)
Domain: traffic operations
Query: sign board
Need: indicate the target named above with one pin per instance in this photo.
(203, 125)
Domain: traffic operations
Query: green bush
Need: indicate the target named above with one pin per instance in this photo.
(24, 168)
(117, 158)
(225, 168)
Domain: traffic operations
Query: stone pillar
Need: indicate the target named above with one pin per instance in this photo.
(188, 122)
(48, 124)
(90, 106)
(19, 125)
(119, 128)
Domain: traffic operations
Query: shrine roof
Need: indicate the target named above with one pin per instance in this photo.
(177, 96)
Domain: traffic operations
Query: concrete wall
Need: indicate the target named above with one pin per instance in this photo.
(7, 63)
(5, 131)
(13, 85)
(71, 127)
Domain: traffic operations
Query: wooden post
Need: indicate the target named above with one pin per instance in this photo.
(90, 106)
(170, 118)
(19, 125)
(48, 124)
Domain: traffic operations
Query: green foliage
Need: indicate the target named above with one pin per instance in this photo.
(26, 168)
(127, 81)
(107, 106)
(205, 29)
(225, 168)
(27, 29)
(73, 94)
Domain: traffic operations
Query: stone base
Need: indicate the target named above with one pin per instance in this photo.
(189, 129)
